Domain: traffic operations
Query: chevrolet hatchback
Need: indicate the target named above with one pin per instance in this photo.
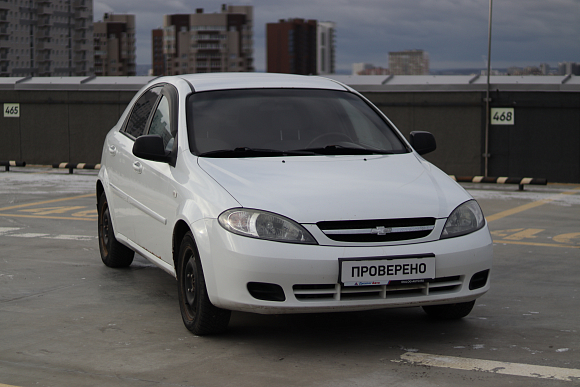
(273, 193)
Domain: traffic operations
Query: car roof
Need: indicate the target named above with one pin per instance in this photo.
(225, 81)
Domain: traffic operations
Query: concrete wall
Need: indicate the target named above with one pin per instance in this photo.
(59, 126)
(455, 119)
(544, 141)
(70, 126)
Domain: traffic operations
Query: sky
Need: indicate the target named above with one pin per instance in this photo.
(453, 32)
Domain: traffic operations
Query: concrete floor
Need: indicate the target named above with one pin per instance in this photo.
(67, 320)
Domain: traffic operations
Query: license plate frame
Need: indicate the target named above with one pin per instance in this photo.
(373, 271)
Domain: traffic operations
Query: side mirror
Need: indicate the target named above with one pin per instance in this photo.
(151, 147)
(422, 142)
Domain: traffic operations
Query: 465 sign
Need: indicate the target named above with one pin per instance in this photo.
(502, 116)
(11, 110)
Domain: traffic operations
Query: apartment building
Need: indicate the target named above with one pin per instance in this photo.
(298, 46)
(409, 62)
(206, 42)
(46, 38)
(566, 68)
(291, 47)
(157, 57)
(325, 48)
(114, 45)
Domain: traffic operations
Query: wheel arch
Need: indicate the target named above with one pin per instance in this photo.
(202, 248)
(99, 189)
(179, 230)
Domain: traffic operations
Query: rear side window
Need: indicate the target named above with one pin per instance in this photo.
(141, 111)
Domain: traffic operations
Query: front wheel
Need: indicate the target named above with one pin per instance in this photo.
(199, 315)
(113, 253)
(449, 311)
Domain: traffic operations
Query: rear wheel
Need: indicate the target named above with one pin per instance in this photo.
(449, 311)
(199, 315)
(113, 253)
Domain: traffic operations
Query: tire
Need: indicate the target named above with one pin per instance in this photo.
(449, 311)
(113, 253)
(199, 315)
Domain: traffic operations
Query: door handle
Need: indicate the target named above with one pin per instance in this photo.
(138, 167)
(112, 150)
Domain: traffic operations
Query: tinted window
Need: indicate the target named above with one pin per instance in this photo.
(141, 110)
(161, 123)
(285, 119)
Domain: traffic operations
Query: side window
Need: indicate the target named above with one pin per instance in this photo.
(141, 110)
(161, 123)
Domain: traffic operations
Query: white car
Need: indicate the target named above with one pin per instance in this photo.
(274, 193)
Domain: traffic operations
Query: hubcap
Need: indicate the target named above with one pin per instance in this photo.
(189, 282)
(105, 228)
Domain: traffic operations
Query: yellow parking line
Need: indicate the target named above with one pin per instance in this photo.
(47, 201)
(535, 244)
(531, 205)
(46, 217)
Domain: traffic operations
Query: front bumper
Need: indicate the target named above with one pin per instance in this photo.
(308, 275)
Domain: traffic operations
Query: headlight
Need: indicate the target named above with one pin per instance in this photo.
(463, 220)
(264, 225)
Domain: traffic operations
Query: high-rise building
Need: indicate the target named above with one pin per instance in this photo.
(409, 62)
(158, 59)
(325, 48)
(114, 45)
(46, 37)
(566, 68)
(298, 46)
(207, 42)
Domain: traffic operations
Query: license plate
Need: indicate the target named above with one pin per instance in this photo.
(380, 271)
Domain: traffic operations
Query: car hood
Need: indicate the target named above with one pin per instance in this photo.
(315, 188)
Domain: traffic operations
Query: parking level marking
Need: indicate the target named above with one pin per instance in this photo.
(528, 206)
(43, 213)
(527, 233)
(496, 367)
(47, 217)
(46, 202)
(517, 235)
(52, 210)
(567, 238)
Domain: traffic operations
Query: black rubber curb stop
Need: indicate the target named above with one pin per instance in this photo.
(8, 164)
(501, 180)
(71, 167)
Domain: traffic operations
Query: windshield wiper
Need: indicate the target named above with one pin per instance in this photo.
(345, 150)
(253, 152)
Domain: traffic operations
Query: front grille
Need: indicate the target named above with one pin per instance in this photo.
(377, 230)
(398, 289)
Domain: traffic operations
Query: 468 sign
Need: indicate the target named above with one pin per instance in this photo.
(502, 116)
(11, 110)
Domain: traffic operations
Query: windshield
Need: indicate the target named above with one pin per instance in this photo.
(275, 122)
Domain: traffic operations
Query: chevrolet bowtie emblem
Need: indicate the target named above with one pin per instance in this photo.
(382, 230)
